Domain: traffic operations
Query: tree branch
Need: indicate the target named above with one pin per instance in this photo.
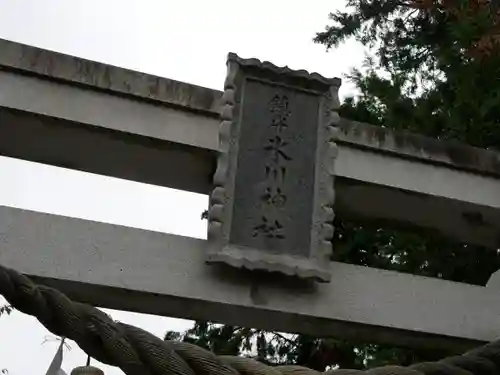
(290, 341)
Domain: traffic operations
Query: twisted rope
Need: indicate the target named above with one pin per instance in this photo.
(137, 352)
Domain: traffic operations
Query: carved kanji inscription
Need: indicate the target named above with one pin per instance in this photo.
(275, 163)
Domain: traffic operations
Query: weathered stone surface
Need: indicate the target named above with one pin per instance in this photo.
(99, 264)
(272, 207)
(274, 185)
(65, 68)
(454, 154)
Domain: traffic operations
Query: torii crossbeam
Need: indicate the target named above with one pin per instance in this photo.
(69, 112)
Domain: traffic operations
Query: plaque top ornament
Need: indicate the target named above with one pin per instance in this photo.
(272, 205)
(283, 70)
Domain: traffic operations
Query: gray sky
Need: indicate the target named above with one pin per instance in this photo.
(186, 41)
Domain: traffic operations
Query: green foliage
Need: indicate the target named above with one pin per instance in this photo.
(422, 75)
(268, 347)
(5, 309)
(222, 339)
(411, 250)
(431, 68)
(274, 348)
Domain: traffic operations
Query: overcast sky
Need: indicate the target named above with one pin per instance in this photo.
(182, 40)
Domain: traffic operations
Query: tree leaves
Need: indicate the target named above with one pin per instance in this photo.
(6, 309)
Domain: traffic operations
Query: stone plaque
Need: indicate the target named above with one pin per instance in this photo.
(272, 205)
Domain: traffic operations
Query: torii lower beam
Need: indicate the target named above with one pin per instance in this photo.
(131, 269)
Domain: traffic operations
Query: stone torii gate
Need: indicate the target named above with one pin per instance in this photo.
(277, 162)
